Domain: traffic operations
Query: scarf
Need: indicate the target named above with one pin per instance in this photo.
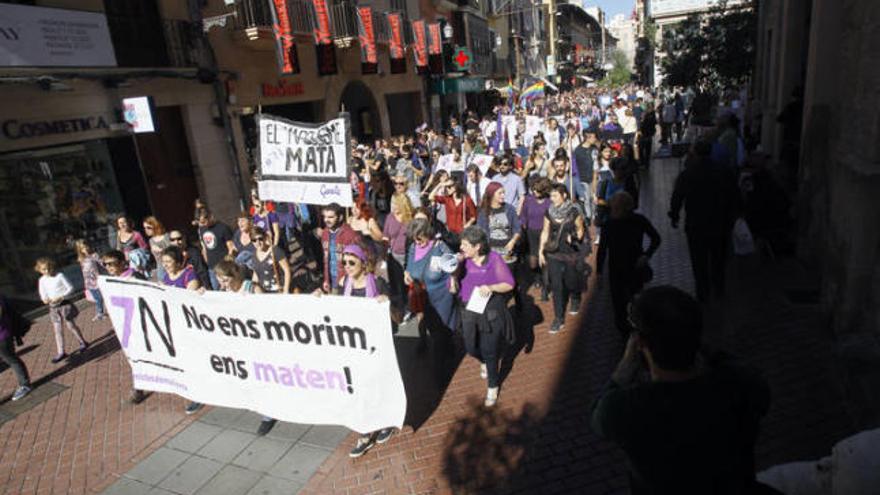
(370, 287)
(561, 213)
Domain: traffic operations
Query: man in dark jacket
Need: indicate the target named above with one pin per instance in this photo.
(710, 197)
(692, 427)
(647, 130)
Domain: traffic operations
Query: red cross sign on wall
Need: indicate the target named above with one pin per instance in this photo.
(462, 58)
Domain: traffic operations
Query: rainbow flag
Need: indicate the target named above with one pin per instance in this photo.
(507, 91)
(534, 91)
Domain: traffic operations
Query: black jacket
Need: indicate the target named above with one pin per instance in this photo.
(710, 197)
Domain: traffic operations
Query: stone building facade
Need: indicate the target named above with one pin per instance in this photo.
(828, 51)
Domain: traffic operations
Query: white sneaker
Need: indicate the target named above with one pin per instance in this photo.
(484, 372)
(491, 396)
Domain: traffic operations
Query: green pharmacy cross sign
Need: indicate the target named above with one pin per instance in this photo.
(462, 59)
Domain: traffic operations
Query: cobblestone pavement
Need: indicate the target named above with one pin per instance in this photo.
(78, 435)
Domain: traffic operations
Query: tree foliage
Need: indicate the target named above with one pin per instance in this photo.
(713, 49)
(620, 74)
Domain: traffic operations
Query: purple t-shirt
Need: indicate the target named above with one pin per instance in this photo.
(532, 213)
(493, 271)
(265, 222)
(396, 233)
(183, 280)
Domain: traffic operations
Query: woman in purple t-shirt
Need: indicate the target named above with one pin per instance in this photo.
(266, 219)
(486, 273)
(177, 273)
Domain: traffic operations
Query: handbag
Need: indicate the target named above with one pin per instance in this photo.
(418, 297)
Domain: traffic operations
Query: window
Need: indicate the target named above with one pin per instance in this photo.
(137, 32)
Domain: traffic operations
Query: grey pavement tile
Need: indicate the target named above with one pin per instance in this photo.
(191, 475)
(157, 466)
(221, 416)
(125, 486)
(160, 491)
(288, 431)
(248, 421)
(269, 485)
(325, 435)
(262, 454)
(300, 462)
(231, 480)
(226, 445)
(194, 437)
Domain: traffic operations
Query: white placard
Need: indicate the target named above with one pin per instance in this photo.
(483, 162)
(447, 163)
(305, 162)
(298, 358)
(47, 37)
(138, 113)
(477, 303)
(533, 126)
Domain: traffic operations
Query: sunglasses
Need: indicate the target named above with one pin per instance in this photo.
(350, 262)
(175, 239)
(400, 183)
(259, 239)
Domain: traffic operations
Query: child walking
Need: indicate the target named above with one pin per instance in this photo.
(91, 268)
(55, 290)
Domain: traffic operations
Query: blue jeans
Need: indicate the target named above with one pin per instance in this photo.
(99, 301)
(215, 284)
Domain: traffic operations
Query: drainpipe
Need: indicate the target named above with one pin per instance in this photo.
(220, 97)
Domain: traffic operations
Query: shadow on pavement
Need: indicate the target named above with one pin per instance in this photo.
(100, 347)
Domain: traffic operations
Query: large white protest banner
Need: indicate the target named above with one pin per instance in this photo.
(301, 162)
(298, 358)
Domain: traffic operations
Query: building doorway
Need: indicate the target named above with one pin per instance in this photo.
(168, 169)
(358, 101)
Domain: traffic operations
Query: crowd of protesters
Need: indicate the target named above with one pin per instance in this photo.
(447, 241)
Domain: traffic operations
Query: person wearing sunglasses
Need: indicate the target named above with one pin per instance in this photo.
(116, 266)
(691, 426)
(360, 280)
(192, 256)
(271, 268)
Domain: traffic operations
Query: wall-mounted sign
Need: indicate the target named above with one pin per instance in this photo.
(283, 88)
(16, 129)
(138, 114)
(462, 58)
(44, 37)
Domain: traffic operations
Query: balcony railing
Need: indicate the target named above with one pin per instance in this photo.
(344, 20)
(257, 14)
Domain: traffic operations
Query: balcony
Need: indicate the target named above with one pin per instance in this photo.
(344, 23)
(253, 22)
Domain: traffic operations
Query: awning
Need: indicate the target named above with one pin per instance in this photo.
(459, 85)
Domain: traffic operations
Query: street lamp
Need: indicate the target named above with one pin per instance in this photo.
(448, 32)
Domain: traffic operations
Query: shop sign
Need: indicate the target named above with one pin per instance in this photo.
(16, 129)
(138, 113)
(44, 37)
(303, 162)
(462, 59)
(283, 88)
(460, 85)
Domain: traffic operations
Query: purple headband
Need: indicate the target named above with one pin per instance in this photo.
(355, 250)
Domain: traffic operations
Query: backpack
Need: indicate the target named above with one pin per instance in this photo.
(20, 324)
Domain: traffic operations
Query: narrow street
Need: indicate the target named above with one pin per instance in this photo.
(554, 384)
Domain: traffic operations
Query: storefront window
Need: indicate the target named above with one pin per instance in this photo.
(49, 197)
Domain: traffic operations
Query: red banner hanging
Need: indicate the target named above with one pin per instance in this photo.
(322, 23)
(435, 45)
(285, 48)
(396, 48)
(367, 37)
(324, 47)
(420, 47)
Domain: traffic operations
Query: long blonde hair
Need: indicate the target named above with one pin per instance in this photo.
(83, 250)
(404, 206)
